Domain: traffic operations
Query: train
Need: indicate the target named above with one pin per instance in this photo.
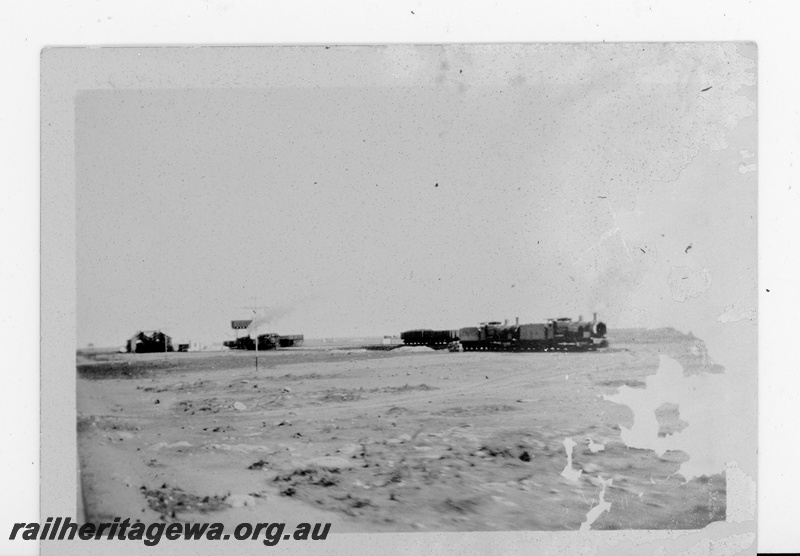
(557, 334)
(265, 342)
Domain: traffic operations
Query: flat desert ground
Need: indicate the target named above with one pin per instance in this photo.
(409, 439)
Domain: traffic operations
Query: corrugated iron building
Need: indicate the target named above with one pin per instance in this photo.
(149, 342)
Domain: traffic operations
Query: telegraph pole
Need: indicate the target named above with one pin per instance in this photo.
(255, 308)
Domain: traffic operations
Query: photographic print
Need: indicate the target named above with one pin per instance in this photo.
(406, 288)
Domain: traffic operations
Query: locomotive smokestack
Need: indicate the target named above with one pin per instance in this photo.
(517, 321)
(594, 317)
(580, 318)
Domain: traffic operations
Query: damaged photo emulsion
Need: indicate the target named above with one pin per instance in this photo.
(418, 288)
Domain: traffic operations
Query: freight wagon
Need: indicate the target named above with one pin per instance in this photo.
(430, 338)
(292, 340)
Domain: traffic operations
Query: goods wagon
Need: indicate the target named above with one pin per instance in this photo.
(431, 338)
(291, 340)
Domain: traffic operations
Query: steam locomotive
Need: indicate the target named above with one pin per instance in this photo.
(562, 334)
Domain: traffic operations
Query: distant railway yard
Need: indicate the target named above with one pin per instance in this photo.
(392, 438)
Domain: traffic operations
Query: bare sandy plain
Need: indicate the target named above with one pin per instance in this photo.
(404, 440)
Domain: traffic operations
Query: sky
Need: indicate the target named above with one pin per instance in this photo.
(464, 184)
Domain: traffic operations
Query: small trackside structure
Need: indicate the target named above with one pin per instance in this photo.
(149, 342)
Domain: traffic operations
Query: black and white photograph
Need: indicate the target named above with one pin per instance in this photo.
(405, 288)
